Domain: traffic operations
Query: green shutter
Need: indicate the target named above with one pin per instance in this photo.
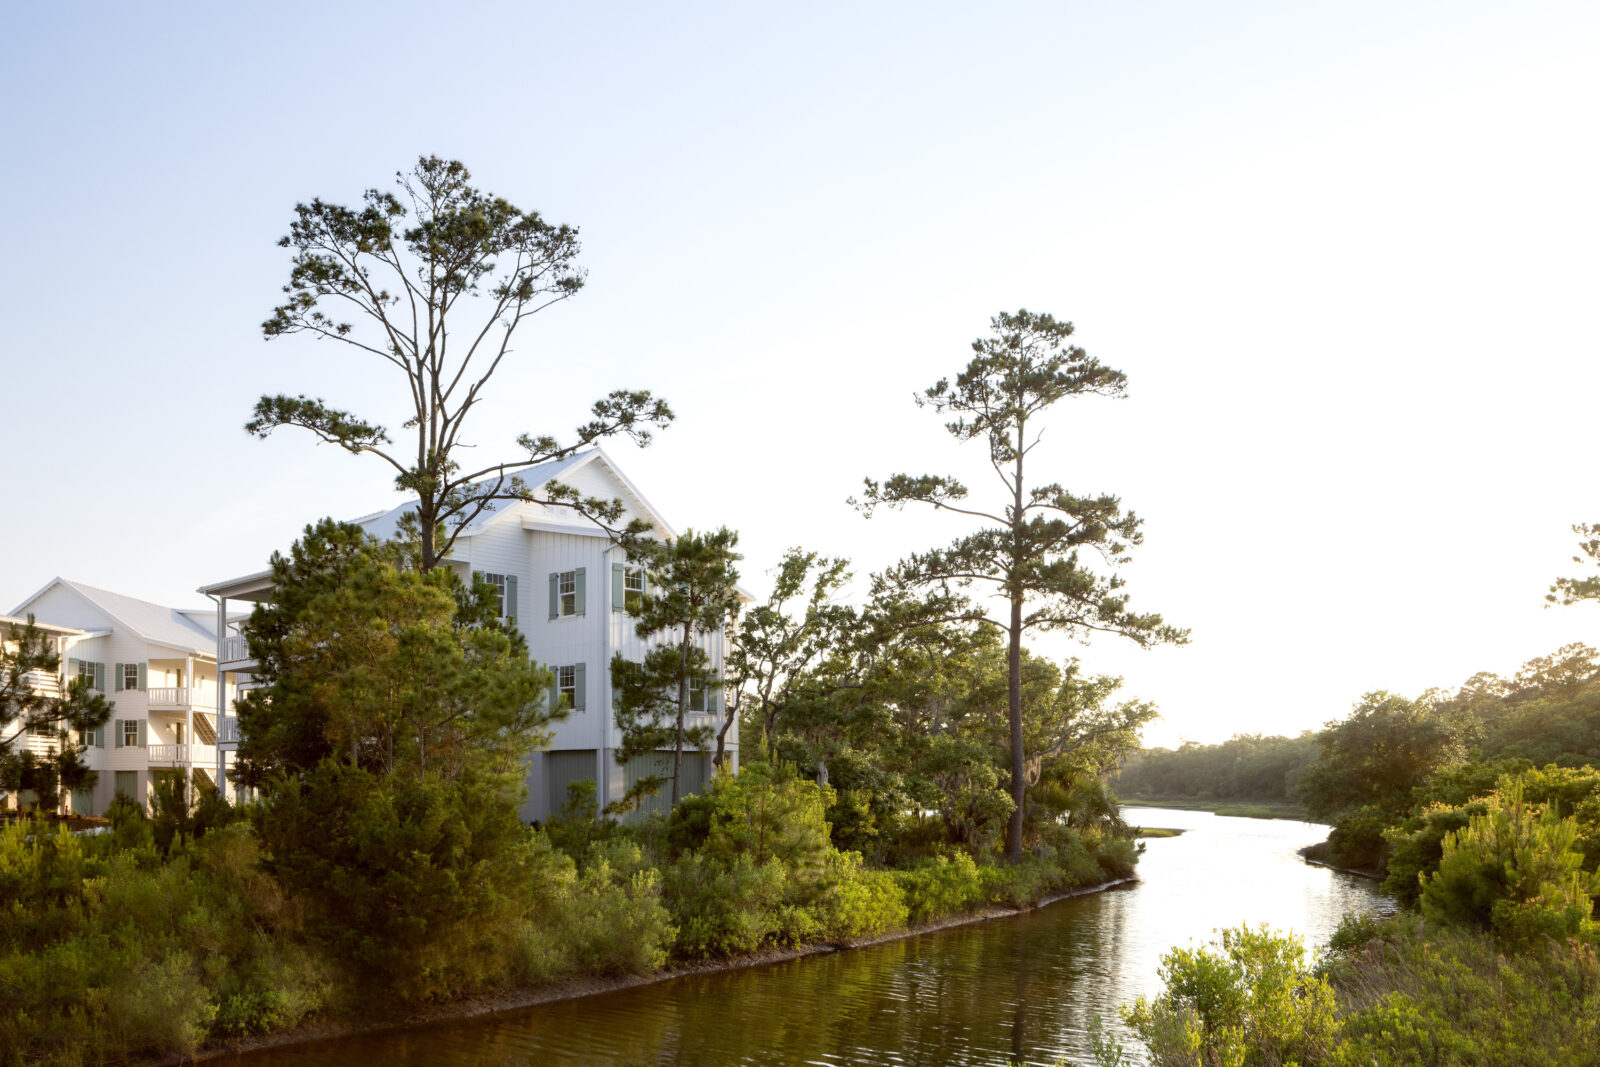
(511, 598)
(578, 688)
(142, 674)
(72, 668)
(116, 733)
(100, 736)
(100, 677)
(555, 691)
(116, 676)
(619, 591)
(581, 600)
(555, 595)
(144, 734)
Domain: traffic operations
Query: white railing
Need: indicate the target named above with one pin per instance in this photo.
(168, 696)
(42, 682)
(234, 649)
(228, 731)
(181, 753)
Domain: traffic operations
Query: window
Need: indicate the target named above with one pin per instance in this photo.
(86, 672)
(130, 676)
(130, 733)
(568, 690)
(566, 593)
(499, 583)
(632, 588)
(697, 694)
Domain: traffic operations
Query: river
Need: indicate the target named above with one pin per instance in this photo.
(1021, 989)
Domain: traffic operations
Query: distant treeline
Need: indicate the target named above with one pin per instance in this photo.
(1245, 767)
(1548, 712)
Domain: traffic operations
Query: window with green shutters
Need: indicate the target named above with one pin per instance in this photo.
(569, 688)
(93, 674)
(505, 587)
(627, 587)
(129, 676)
(567, 593)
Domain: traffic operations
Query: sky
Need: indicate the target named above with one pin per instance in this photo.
(1345, 255)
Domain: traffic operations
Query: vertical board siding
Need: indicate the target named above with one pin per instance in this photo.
(562, 769)
(691, 777)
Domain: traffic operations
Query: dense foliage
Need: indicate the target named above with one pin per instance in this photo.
(1495, 962)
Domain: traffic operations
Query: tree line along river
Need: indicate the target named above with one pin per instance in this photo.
(1022, 989)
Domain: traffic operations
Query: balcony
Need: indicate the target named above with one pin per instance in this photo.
(178, 698)
(42, 682)
(180, 754)
(228, 733)
(234, 650)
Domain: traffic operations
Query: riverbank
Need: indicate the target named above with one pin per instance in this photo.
(1242, 809)
(1313, 854)
(575, 988)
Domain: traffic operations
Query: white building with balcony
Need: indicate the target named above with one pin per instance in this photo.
(567, 587)
(14, 730)
(158, 667)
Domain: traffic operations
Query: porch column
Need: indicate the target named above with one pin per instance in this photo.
(193, 679)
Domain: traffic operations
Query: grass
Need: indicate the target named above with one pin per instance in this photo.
(1244, 809)
(1156, 831)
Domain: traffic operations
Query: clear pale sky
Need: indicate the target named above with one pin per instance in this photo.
(1346, 254)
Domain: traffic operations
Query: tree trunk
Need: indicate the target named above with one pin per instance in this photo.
(683, 707)
(1019, 779)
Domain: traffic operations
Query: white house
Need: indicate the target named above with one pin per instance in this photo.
(567, 586)
(156, 664)
(14, 729)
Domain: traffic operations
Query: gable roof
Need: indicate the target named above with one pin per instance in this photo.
(385, 524)
(153, 623)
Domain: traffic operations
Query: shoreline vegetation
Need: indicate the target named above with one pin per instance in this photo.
(572, 989)
(171, 936)
(1241, 809)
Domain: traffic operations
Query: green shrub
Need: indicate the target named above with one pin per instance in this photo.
(1515, 870)
(942, 886)
(409, 882)
(1250, 1000)
(856, 902)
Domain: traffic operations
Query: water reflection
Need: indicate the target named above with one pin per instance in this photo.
(1023, 989)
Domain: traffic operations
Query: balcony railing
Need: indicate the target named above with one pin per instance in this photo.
(234, 649)
(42, 682)
(181, 753)
(167, 696)
(228, 732)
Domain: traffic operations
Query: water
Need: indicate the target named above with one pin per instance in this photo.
(1023, 989)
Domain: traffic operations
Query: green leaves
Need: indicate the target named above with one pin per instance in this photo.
(1573, 590)
(391, 669)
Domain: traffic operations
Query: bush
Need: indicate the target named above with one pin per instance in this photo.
(1515, 870)
(410, 882)
(1250, 1001)
(941, 886)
